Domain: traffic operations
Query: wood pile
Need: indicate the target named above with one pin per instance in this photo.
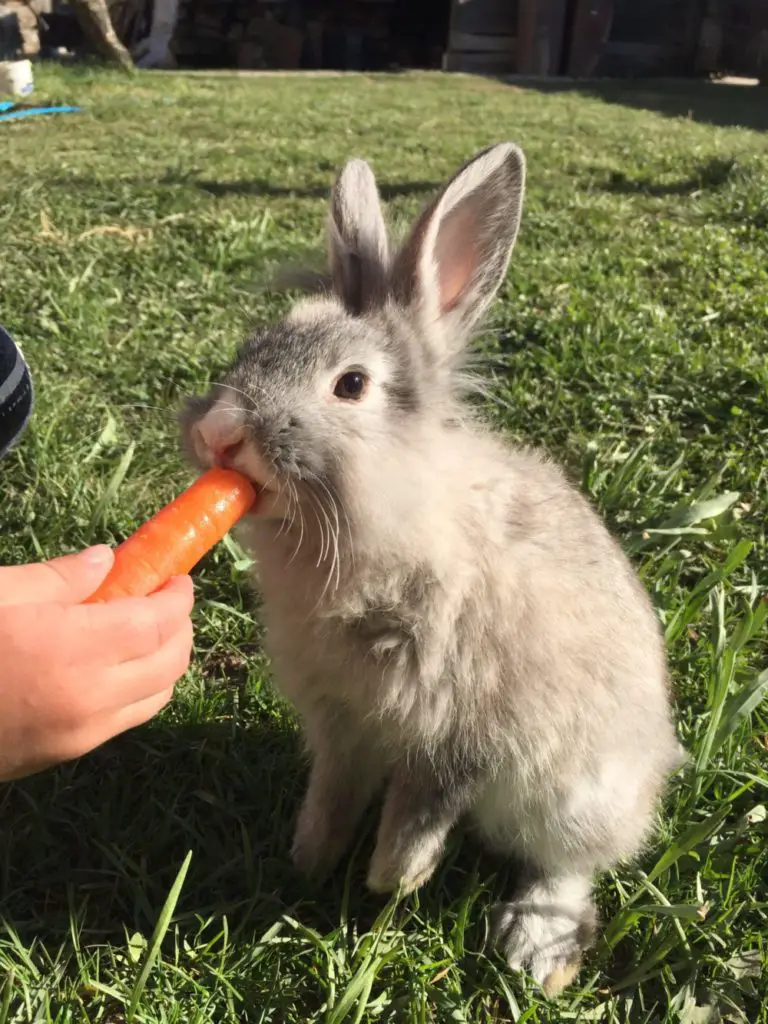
(483, 37)
(262, 34)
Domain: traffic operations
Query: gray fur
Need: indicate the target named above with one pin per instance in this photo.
(450, 618)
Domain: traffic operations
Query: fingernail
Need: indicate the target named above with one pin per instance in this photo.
(99, 555)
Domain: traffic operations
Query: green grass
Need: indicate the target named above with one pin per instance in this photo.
(150, 881)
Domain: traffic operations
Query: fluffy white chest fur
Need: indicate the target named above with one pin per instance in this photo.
(501, 646)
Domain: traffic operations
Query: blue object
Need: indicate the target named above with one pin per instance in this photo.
(31, 111)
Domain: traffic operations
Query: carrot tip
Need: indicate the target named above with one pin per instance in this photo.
(173, 541)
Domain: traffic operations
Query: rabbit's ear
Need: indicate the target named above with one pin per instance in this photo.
(357, 239)
(457, 254)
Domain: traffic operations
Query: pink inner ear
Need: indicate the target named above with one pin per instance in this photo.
(456, 255)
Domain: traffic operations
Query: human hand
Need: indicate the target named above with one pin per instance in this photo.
(74, 675)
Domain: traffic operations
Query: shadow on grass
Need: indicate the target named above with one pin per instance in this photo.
(706, 177)
(261, 187)
(100, 841)
(107, 834)
(702, 101)
(92, 850)
(172, 181)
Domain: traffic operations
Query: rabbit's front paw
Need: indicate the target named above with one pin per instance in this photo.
(404, 869)
(317, 847)
(313, 856)
(545, 931)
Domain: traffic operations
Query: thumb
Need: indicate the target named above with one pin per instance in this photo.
(67, 580)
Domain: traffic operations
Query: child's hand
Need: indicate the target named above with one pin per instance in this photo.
(73, 675)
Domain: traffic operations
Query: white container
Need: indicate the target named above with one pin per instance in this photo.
(16, 78)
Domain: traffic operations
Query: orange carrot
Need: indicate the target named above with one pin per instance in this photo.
(175, 539)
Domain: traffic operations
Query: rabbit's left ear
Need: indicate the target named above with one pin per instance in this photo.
(357, 239)
(458, 252)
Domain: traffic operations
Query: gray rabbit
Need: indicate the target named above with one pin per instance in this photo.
(450, 618)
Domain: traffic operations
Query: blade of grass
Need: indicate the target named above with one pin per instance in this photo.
(738, 708)
(5, 1006)
(359, 988)
(162, 926)
(693, 836)
(112, 488)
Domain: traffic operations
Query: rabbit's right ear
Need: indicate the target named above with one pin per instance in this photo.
(357, 239)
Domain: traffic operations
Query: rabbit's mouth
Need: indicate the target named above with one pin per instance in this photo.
(246, 460)
(236, 451)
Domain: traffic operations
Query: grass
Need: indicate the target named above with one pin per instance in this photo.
(150, 882)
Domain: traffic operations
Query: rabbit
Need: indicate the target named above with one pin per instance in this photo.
(451, 620)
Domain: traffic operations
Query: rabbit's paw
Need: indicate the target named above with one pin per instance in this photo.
(545, 931)
(310, 857)
(404, 870)
(317, 848)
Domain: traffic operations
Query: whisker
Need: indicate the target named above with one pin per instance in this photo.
(317, 504)
(325, 523)
(315, 511)
(290, 517)
(335, 567)
(238, 391)
(297, 505)
(143, 406)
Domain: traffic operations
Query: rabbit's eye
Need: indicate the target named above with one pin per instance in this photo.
(351, 386)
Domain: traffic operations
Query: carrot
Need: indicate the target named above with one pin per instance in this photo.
(175, 539)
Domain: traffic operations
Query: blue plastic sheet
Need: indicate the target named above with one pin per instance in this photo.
(8, 113)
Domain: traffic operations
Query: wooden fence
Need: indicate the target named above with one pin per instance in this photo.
(581, 38)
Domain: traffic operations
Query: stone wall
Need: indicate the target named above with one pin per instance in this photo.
(18, 26)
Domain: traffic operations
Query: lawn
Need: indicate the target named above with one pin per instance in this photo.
(151, 881)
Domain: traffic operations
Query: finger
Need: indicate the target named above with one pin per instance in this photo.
(67, 580)
(143, 710)
(136, 691)
(128, 628)
(180, 584)
(80, 742)
(144, 678)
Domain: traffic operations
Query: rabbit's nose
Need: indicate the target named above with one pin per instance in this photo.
(219, 436)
